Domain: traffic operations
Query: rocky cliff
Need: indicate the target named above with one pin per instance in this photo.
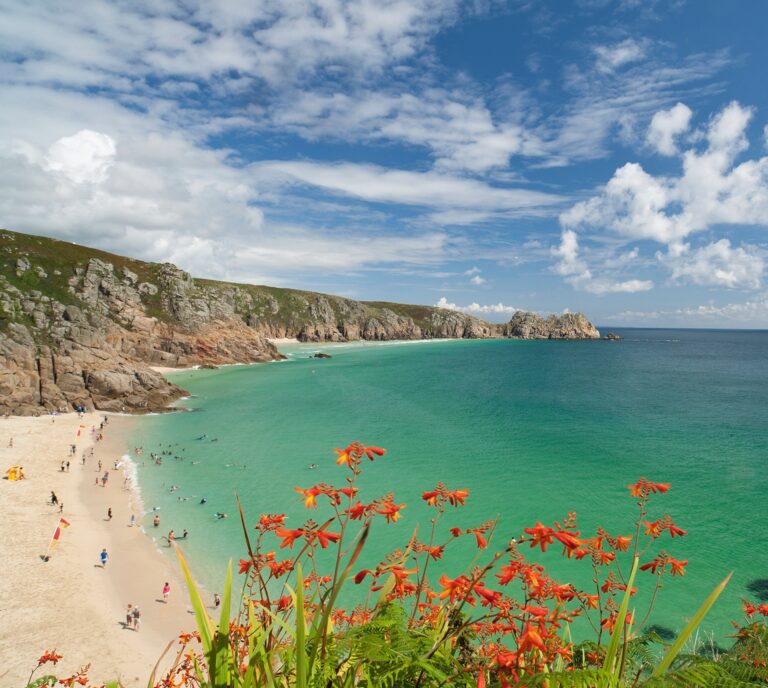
(81, 326)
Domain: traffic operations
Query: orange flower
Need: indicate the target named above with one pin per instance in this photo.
(530, 639)
(310, 495)
(454, 588)
(654, 565)
(435, 552)
(678, 567)
(49, 656)
(644, 488)
(390, 511)
(359, 510)
(540, 535)
(374, 451)
(324, 537)
(245, 566)
(568, 539)
(289, 536)
(430, 497)
(489, 598)
(270, 522)
(622, 542)
(457, 497)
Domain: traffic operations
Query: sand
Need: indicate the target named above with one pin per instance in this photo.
(70, 603)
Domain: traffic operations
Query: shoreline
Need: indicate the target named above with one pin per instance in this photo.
(70, 603)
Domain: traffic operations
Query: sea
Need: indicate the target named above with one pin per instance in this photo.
(533, 429)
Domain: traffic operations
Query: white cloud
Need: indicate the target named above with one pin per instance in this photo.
(666, 125)
(711, 190)
(606, 101)
(383, 185)
(476, 309)
(457, 127)
(84, 157)
(271, 40)
(611, 57)
(717, 264)
(478, 281)
(571, 266)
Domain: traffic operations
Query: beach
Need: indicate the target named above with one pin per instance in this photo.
(70, 603)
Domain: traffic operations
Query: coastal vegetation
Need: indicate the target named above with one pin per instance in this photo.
(503, 621)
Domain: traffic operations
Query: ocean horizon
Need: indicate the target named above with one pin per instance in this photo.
(534, 430)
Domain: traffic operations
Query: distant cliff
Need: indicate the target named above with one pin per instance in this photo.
(81, 326)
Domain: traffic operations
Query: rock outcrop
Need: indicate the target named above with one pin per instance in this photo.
(81, 326)
(525, 325)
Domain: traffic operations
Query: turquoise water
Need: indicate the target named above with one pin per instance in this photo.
(533, 429)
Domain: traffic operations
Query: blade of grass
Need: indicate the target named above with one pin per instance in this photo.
(201, 616)
(151, 682)
(220, 657)
(301, 631)
(690, 627)
(619, 627)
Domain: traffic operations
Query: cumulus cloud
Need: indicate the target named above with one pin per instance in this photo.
(571, 266)
(494, 309)
(711, 190)
(665, 126)
(717, 264)
(84, 157)
(477, 280)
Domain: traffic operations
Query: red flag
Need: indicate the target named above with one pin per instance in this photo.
(63, 523)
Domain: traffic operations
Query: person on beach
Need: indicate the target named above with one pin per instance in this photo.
(104, 557)
(216, 600)
(61, 507)
(136, 618)
(171, 536)
(54, 499)
(62, 466)
(10, 443)
(104, 478)
(166, 591)
(156, 520)
(129, 616)
(99, 469)
(67, 466)
(109, 514)
(133, 520)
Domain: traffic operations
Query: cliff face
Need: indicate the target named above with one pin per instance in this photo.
(80, 326)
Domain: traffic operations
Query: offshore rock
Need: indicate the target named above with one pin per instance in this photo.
(526, 325)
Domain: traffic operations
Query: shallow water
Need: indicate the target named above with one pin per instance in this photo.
(533, 429)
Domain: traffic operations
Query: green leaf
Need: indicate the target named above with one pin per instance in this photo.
(204, 624)
(619, 628)
(697, 618)
(219, 660)
(301, 631)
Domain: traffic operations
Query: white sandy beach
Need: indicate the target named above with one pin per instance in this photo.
(70, 603)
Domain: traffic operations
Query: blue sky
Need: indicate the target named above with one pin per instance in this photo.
(599, 155)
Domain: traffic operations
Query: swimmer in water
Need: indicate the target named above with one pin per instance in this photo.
(220, 515)
(312, 465)
(203, 501)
